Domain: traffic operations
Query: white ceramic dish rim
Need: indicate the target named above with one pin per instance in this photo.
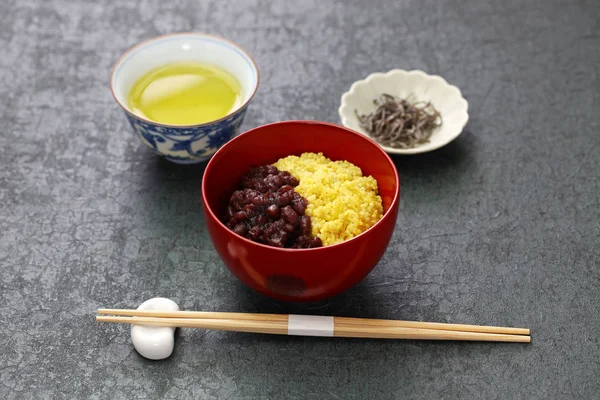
(344, 104)
(145, 44)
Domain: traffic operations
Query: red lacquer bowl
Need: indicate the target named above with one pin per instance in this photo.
(298, 274)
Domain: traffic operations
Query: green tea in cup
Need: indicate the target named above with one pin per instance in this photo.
(185, 93)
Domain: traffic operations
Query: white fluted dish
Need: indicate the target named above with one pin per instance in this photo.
(416, 85)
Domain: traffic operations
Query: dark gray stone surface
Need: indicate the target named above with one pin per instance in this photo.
(501, 227)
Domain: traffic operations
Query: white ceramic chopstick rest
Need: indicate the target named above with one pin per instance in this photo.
(154, 342)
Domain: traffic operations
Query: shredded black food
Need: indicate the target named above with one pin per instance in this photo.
(400, 124)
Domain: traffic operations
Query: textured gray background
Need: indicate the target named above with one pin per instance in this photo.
(500, 227)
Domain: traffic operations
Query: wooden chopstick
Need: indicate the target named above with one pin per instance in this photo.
(342, 330)
(195, 314)
(273, 327)
(338, 320)
(355, 331)
(434, 326)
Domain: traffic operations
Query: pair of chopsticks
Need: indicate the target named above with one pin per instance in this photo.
(283, 324)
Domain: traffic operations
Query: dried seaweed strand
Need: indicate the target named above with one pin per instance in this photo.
(400, 124)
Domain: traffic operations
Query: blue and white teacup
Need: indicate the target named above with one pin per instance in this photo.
(185, 144)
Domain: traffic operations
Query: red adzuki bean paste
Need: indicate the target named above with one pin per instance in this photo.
(266, 209)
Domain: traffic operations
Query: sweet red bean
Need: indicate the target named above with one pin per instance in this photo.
(305, 225)
(261, 187)
(276, 240)
(268, 210)
(240, 229)
(289, 215)
(273, 211)
(262, 219)
(285, 188)
(254, 233)
(299, 205)
(250, 210)
(289, 228)
(285, 199)
(316, 242)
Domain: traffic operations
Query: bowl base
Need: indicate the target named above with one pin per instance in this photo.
(185, 161)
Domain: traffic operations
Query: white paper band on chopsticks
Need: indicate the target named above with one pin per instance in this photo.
(310, 325)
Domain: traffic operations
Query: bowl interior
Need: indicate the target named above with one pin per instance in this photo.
(184, 47)
(266, 144)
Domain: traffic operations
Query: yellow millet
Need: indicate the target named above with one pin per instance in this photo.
(342, 203)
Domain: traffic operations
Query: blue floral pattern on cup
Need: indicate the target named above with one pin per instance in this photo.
(188, 145)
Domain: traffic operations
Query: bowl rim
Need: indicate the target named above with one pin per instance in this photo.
(183, 34)
(386, 215)
(415, 150)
